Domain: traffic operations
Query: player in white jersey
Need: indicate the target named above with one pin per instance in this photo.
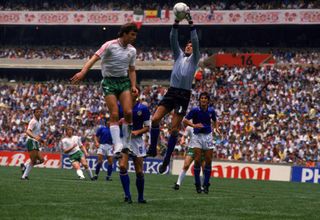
(33, 144)
(118, 58)
(71, 145)
(189, 157)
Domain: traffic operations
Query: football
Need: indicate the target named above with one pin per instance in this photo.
(180, 10)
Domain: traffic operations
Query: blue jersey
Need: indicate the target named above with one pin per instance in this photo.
(140, 116)
(204, 117)
(184, 67)
(104, 135)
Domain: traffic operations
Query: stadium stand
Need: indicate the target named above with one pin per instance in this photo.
(268, 114)
(72, 5)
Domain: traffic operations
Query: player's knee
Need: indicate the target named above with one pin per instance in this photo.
(114, 116)
(85, 166)
(197, 163)
(139, 175)
(155, 123)
(207, 163)
(186, 167)
(175, 132)
(127, 112)
(123, 169)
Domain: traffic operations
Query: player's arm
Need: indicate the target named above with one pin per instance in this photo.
(146, 123)
(194, 39)
(84, 150)
(96, 137)
(183, 140)
(141, 131)
(80, 75)
(174, 40)
(67, 149)
(187, 121)
(30, 133)
(133, 79)
(215, 124)
(96, 141)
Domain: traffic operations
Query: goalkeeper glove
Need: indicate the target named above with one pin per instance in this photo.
(188, 17)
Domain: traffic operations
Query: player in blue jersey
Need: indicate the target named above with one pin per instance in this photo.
(103, 141)
(178, 95)
(202, 118)
(141, 125)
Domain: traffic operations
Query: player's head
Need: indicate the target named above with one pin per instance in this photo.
(128, 32)
(69, 131)
(104, 121)
(188, 49)
(37, 112)
(204, 99)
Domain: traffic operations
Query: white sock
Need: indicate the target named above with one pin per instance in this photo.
(80, 173)
(27, 171)
(181, 177)
(115, 134)
(89, 172)
(126, 131)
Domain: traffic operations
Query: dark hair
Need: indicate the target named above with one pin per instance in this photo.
(204, 94)
(69, 127)
(36, 109)
(126, 28)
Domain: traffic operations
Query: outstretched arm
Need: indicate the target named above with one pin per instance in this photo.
(194, 39)
(174, 40)
(80, 75)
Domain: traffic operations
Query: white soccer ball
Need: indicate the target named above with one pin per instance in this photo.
(180, 10)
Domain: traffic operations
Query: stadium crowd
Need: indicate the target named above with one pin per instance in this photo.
(86, 5)
(267, 114)
(283, 56)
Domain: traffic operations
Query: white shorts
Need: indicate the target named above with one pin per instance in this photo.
(202, 141)
(138, 147)
(105, 149)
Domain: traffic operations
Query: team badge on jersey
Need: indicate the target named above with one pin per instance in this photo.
(139, 113)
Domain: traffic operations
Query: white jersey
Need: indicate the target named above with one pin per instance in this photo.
(116, 59)
(71, 141)
(35, 126)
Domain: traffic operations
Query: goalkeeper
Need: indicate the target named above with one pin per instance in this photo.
(178, 95)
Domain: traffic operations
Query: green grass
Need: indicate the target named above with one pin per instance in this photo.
(56, 194)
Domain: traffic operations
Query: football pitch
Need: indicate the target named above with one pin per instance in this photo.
(57, 194)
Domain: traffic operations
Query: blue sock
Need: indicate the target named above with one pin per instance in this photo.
(207, 174)
(154, 134)
(197, 174)
(98, 167)
(125, 181)
(109, 169)
(140, 186)
(171, 144)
